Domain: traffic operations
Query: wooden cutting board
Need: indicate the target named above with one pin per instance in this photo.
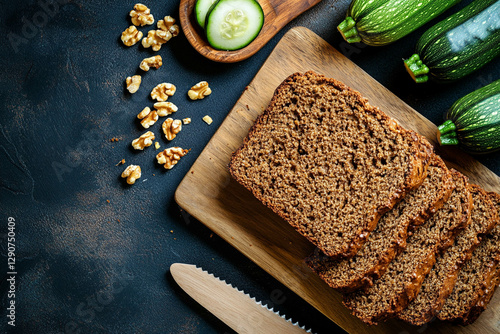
(209, 193)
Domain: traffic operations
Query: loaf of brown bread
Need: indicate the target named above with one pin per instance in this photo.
(476, 280)
(390, 235)
(329, 163)
(438, 285)
(400, 283)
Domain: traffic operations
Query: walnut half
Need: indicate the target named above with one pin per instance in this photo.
(143, 141)
(199, 91)
(147, 117)
(171, 128)
(133, 83)
(132, 173)
(162, 91)
(147, 63)
(131, 36)
(141, 15)
(170, 156)
(165, 108)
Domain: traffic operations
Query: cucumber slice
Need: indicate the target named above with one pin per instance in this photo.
(233, 24)
(201, 9)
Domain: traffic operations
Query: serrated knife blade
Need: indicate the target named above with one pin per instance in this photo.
(235, 308)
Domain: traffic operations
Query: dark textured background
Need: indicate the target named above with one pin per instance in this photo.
(97, 267)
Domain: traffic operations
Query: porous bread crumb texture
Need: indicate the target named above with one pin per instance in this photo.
(390, 235)
(328, 163)
(466, 301)
(392, 292)
(438, 285)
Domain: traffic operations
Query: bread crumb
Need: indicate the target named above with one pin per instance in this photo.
(207, 119)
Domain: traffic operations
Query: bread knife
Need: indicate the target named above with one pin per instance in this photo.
(234, 307)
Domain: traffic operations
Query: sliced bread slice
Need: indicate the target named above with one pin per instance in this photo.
(438, 285)
(475, 283)
(400, 283)
(329, 163)
(390, 235)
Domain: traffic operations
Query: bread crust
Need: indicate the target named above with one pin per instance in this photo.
(415, 176)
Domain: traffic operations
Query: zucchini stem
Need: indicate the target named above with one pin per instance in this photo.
(416, 68)
(447, 134)
(348, 30)
(446, 127)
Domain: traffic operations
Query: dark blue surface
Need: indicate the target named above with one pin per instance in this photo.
(89, 266)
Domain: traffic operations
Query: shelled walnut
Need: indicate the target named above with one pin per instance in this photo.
(168, 24)
(133, 83)
(132, 173)
(147, 117)
(165, 108)
(131, 36)
(208, 119)
(170, 156)
(171, 128)
(162, 91)
(199, 91)
(154, 61)
(143, 141)
(166, 30)
(141, 15)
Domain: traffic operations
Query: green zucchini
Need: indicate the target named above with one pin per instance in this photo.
(380, 22)
(458, 45)
(473, 122)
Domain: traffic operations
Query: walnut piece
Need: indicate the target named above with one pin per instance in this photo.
(131, 36)
(208, 119)
(157, 145)
(165, 108)
(170, 156)
(147, 63)
(186, 120)
(133, 83)
(171, 128)
(147, 117)
(143, 141)
(166, 30)
(132, 173)
(141, 15)
(163, 91)
(199, 91)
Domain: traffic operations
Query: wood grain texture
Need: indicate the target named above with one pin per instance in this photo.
(233, 307)
(209, 193)
(276, 15)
